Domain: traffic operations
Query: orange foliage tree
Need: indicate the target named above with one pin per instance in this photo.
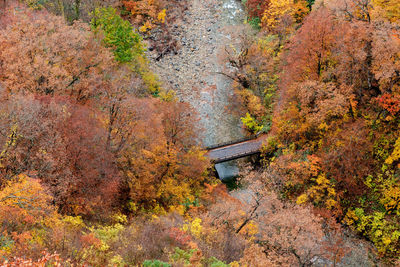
(27, 217)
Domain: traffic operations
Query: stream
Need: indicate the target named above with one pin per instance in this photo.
(208, 26)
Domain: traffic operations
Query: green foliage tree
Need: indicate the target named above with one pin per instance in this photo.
(118, 34)
(155, 263)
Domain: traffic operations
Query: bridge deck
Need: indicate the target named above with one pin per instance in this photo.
(235, 151)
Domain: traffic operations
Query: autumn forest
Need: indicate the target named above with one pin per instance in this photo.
(108, 109)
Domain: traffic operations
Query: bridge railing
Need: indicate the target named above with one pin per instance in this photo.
(236, 156)
(244, 139)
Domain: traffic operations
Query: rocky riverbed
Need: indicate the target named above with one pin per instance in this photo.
(207, 27)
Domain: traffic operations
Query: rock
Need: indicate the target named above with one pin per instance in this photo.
(194, 63)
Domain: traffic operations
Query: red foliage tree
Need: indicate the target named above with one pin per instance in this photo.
(62, 144)
(310, 49)
(390, 103)
(256, 8)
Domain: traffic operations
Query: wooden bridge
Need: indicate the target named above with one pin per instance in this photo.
(236, 149)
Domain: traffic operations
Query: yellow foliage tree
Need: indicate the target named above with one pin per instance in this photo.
(389, 9)
(161, 15)
(395, 156)
(278, 9)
